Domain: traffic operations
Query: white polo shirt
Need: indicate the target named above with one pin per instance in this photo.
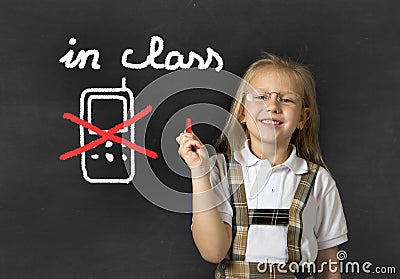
(324, 223)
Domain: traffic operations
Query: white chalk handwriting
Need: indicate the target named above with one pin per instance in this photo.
(173, 60)
(156, 48)
(81, 58)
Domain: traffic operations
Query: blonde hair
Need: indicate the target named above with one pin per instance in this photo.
(306, 140)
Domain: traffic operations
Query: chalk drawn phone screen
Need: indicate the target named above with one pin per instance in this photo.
(109, 162)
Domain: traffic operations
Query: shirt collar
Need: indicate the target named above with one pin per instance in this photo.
(294, 163)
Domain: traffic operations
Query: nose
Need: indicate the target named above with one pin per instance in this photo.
(272, 104)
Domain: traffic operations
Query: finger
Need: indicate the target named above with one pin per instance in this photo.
(178, 138)
(195, 137)
(188, 135)
(183, 140)
(191, 136)
(189, 144)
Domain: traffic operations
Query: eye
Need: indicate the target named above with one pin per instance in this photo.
(286, 100)
(260, 97)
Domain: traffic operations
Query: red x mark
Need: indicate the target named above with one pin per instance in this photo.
(109, 135)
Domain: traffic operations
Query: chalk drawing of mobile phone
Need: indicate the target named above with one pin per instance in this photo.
(109, 162)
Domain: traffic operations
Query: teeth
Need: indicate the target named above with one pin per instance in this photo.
(268, 121)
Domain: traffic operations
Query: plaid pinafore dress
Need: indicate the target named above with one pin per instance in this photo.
(235, 266)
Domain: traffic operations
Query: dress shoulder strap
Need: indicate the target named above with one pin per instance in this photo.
(295, 227)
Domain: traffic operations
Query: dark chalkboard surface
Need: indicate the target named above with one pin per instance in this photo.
(54, 224)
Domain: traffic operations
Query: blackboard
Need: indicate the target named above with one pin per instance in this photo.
(54, 224)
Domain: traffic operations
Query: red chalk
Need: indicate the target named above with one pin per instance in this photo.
(188, 125)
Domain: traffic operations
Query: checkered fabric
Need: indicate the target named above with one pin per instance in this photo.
(235, 265)
(295, 228)
(268, 216)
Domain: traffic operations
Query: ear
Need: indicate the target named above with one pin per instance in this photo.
(241, 117)
(304, 117)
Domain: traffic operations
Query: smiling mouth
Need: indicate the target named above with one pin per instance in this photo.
(272, 122)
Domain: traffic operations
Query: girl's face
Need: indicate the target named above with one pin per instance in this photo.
(275, 110)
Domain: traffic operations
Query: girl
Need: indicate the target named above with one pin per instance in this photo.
(268, 207)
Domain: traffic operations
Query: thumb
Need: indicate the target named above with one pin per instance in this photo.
(204, 167)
